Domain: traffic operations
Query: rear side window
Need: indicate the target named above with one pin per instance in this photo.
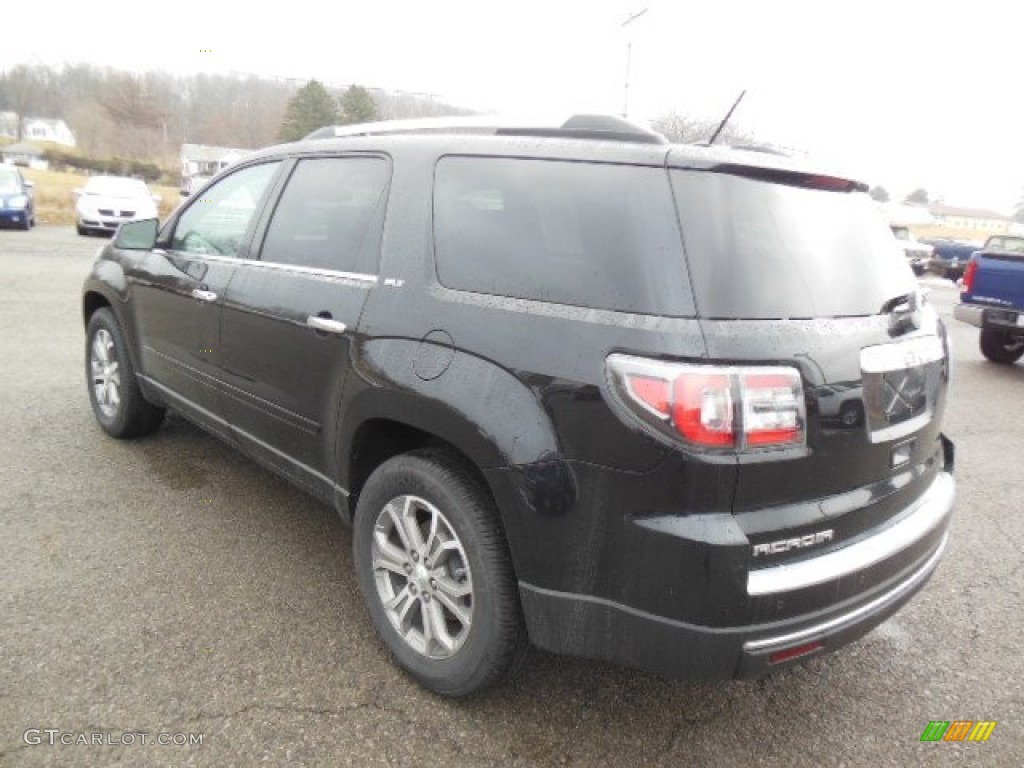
(765, 250)
(586, 234)
(330, 215)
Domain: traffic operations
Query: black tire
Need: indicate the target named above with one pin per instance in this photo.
(1000, 347)
(26, 224)
(494, 640)
(82, 230)
(129, 414)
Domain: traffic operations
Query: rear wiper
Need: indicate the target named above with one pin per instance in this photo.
(903, 314)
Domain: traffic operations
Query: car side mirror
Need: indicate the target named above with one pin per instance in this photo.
(137, 235)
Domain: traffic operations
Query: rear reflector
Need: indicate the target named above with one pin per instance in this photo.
(738, 409)
(794, 653)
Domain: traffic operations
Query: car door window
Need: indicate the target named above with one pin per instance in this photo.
(330, 215)
(216, 223)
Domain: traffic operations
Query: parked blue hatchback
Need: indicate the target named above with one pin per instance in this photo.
(17, 207)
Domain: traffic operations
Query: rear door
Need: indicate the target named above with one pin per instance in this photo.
(290, 314)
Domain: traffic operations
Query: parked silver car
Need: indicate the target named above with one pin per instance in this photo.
(107, 201)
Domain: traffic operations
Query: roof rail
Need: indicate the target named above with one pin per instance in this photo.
(596, 127)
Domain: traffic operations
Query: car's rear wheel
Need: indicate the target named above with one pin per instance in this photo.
(1000, 347)
(436, 575)
(81, 230)
(117, 401)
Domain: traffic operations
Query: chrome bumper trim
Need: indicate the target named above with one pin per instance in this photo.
(930, 511)
(853, 617)
(968, 314)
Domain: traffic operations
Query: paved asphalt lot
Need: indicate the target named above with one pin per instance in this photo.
(171, 586)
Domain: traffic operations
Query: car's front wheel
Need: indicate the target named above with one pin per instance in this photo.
(117, 401)
(1000, 347)
(435, 571)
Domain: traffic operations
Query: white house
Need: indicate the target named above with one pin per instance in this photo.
(25, 155)
(47, 129)
(201, 160)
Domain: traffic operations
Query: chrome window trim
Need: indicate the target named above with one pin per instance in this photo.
(279, 267)
(928, 513)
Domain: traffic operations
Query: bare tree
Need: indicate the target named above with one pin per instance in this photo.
(686, 129)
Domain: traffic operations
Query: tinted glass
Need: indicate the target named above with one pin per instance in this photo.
(216, 223)
(587, 234)
(763, 250)
(330, 215)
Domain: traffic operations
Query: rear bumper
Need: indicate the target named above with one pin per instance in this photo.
(967, 313)
(994, 318)
(906, 552)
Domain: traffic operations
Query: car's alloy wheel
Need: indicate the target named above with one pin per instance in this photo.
(435, 572)
(422, 576)
(106, 373)
(117, 401)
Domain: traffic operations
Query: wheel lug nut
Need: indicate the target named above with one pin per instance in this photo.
(412, 588)
(426, 598)
(416, 556)
(433, 583)
(407, 567)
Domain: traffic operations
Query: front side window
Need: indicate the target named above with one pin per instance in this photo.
(591, 235)
(216, 223)
(330, 215)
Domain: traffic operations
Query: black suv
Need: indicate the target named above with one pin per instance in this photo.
(670, 406)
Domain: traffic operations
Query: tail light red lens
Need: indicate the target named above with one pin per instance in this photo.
(772, 408)
(702, 408)
(969, 272)
(737, 409)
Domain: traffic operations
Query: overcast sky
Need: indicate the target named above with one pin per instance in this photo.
(905, 93)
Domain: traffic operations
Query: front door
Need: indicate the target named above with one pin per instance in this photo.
(178, 291)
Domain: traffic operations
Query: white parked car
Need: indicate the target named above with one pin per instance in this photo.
(918, 254)
(106, 201)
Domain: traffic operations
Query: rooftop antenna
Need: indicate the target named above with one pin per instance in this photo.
(629, 55)
(732, 109)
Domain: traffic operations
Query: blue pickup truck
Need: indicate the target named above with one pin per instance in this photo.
(992, 298)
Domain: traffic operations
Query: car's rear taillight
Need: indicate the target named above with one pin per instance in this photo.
(969, 272)
(731, 408)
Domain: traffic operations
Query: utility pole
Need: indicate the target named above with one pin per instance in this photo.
(629, 55)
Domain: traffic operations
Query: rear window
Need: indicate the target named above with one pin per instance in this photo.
(586, 234)
(764, 250)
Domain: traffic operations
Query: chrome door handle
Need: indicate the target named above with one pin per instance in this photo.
(325, 324)
(204, 295)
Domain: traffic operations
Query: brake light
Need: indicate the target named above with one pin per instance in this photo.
(702, 409)
(969, 272)
(772, 408)
(732, 408)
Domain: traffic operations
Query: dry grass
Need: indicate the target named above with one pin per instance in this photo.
(55, 195)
